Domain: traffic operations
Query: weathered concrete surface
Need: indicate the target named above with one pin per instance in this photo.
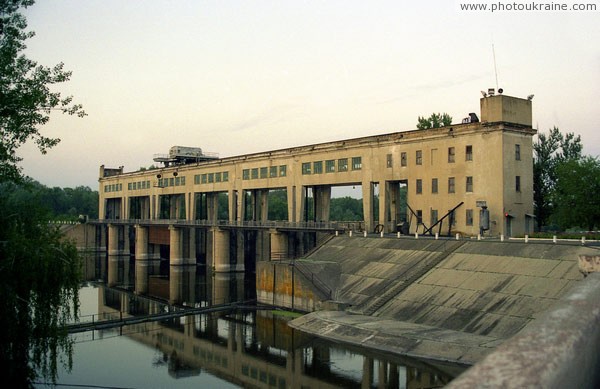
(483, 288)
(559, 350)
(388, 335)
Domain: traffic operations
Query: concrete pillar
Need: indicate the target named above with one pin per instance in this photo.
(113, 239)
(367, 378)
(141, 276)
(322, 196)
(279, 244)
(176, 246)
(192, 246)
(220, 250)
(113, 271)
(153, 207)
(189, 206)
(299, 203)
(141, 242)
(232, 204)
(263, 205)
(291, 203)
(241, 206)
(367, 190)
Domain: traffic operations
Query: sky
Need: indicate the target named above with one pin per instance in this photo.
(236, 77)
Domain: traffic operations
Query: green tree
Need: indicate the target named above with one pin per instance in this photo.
(436, 120)
(39, 271)
(577, 193)
(26, 100)
(550, 150)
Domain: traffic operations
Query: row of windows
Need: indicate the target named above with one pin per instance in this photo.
(451, 185)
(113, 188)
(330, 166)
(433, 217)
(264, 172)
(138, 185)
(171, 181)
(209, 178)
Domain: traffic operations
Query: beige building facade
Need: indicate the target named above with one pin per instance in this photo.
(417, 177)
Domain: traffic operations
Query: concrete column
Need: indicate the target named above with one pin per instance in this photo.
(323, 202)
(113, 271)
(367, 190)
(367, 372)
(279, 244)
(189, 206)
(176, 246)
(221, 250)
(291, 203)
(141, 276)
(113, 239)
(241, 205)
(232, 204)
(153, 207)
(141, 242)
(192, 245)
(299, 203)
(263, 204)
(176, 284)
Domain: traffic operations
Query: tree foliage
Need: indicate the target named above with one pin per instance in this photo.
(436, 120)
(550, 151)
(26, 100)
(39, 271)
(576, 197)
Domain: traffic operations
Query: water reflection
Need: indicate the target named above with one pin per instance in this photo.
(249, 348)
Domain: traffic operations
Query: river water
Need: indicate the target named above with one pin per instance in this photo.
(250, 348)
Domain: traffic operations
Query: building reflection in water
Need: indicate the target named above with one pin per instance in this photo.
(252, 348)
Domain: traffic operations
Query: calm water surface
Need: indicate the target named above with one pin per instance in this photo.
(253, 348)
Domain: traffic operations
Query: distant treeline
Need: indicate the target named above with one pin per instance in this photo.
(57, 203)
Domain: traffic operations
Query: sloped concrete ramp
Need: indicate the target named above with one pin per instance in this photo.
(443, 299)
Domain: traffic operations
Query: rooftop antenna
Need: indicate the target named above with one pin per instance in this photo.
(495, 68)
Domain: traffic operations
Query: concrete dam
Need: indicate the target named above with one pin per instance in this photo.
(444, 300)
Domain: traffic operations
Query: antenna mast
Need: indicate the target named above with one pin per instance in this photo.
(495, 68)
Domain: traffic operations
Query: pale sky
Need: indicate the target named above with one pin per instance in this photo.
(236, 77)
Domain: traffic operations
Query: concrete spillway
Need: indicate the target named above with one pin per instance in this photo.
(439, 299)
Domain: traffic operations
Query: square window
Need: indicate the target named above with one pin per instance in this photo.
(245, 175)
(403, 161)
(273, 171)
(264, 171)
(356, 163)
(225, 176)
(211, 178)
(306, 168)
(254, 173)
(451, 185)
(218, 177)
(330, 166)
(343, 165)
(469, 184)
(282, 170)
(469, 153)
(419, 157)
(318, 167)
(469, 217)
(451, 154)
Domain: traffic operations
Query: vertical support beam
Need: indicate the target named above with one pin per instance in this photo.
(263, 202)
(367, 381)
(291, 202)
(153, 208)
(175, 246)
(367, 190)
(221, 253)
(279, 244)
(192, 245)
(141, 242)
(241, 206)
(299, 203)
(189, 206)
(141, 277)
(113, 239)
(232, 204)
(322, 200)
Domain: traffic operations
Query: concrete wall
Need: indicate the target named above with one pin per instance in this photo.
(279, 283)
(559, 350)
